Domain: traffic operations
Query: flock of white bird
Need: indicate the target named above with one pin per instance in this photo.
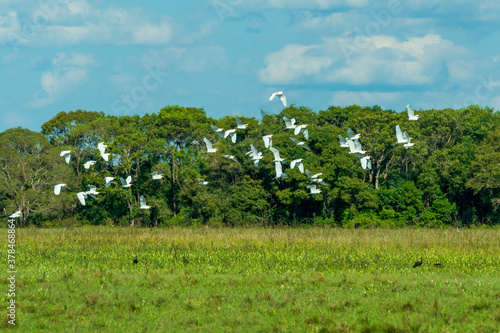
(351, 141)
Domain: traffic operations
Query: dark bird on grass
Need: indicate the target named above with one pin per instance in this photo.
(437, 265)
(135, 260)
(418, 263)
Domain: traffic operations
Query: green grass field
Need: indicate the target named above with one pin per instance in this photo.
(256, 280)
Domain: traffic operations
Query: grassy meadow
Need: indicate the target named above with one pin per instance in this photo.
(256, 280)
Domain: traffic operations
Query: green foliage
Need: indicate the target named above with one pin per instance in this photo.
(450, 176)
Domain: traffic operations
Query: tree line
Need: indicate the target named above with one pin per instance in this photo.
(451, 176)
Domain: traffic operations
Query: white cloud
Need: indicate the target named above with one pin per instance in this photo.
(363, 60)
(78, 22)
(68, 72)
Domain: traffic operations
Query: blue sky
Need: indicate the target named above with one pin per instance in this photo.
(228, 56)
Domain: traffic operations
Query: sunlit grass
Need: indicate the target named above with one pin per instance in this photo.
(258, 279)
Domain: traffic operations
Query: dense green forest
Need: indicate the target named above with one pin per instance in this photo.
(451, 176)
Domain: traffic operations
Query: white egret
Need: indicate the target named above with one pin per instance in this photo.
(210, 149)
(313, 189)
(298, 163)
(352, 135)
(256, 155)
(126, 182)
(108, 181)
(239, 124)
(303, 129)
(318, 180)
(408, 143)
(102, 147)
(89, 163)
(66, 154)
(156, 175)
(280, 95)
(300, 144)
(230, 157)
(355, 147)
(343, 142)
(399, 135)
(289, 123)
(366, 162)
(411, 113)
(202, 181)
(16, 214)
(310, 175)
(276, 154)
(218, 131)
(268, 140)
(92, 189)
(142, 201)
(57, 188)
(232, 133)
(81, 196)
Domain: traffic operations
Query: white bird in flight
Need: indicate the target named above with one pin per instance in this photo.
(66, 154)
(156, 175)
(142, 201)
(298, 163)
(303, 129)
(408, 143)
(352, 135)
(232, 133)
(310, 175)
(366, 162)
(280, 95)
(411, 113)
(230, 157)
(276, 154)
(399, 135)
(256, 155)
(57, 188)
(239, 124)
(355, 147)
(210, 149)
(108, 181)
(313, 189)
(16, 214)
(202, 181)
(92, 189)
(268, 140)
(102, 147)
(289, 123)
(279, 170)
(89, 163)
(126, 182)
(343, 142)
(300, 144)
(218, 131)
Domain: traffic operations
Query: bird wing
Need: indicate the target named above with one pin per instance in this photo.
(123, 181)
(81, 197)
(306, 133)
(411, 112)
(278, 168)
(275, 152)
(105, 156)
(208, 144)
(288, 123)
(238, 122)
(300, 165)
(297, 130)
(406, 137)
(369, 164)
(142, 201)
(292, 164)
(254, 150)
(357, 145)
(86, 165)
(57, 189)
(350, 133)
(283, 100)
(129, 180)
(272, 96)
(342, 140)
(363, 163)
(295, 141)
(305, 146)
(308, 174)
(399, 134)
(352, 148)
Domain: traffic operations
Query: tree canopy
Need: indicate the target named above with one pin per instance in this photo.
(450, 176)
